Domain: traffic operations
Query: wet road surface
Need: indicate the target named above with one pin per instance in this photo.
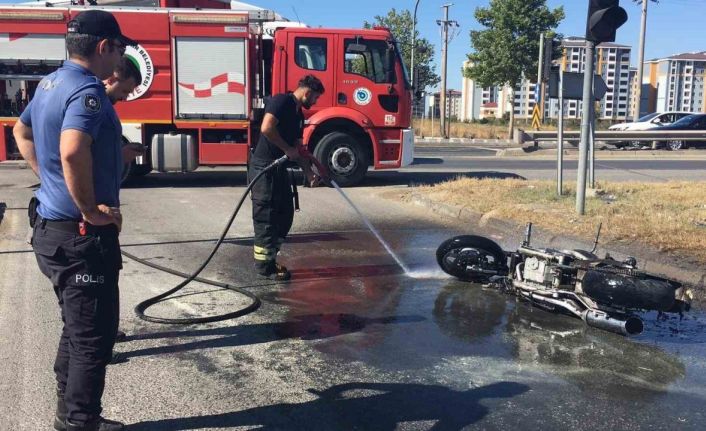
(352, 343)
(383, 350)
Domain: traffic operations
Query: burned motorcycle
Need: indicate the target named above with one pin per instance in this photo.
(604, 293)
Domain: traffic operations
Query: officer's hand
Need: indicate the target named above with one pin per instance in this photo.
(115, 213)
(104, 215)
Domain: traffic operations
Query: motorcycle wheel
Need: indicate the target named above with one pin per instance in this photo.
(634, 292)
(455, 254)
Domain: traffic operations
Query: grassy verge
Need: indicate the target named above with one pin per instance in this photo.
(461, 130)
(492, 130)
(669, 217)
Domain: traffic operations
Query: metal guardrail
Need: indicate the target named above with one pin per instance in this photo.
(522, 136)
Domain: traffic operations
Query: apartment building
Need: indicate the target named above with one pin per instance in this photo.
(478, 103)
(632, 101)
(612, 62)
(453, 104)
(674, 83)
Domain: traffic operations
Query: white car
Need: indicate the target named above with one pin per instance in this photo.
(648, 122)
(651, 121)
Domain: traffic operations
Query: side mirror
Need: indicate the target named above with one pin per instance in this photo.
(415, 79)
(418, 94)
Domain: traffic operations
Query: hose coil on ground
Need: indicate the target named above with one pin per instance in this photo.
(255, 301)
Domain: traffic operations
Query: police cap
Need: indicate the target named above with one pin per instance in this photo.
(99, 23)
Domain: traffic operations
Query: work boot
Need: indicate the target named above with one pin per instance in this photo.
(60, 422)
(274, 271)
(120, 337)
(100, 424)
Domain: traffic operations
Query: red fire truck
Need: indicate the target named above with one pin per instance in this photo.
(206, 75)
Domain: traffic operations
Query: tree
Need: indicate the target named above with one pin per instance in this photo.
(507, 50)
(400, 25)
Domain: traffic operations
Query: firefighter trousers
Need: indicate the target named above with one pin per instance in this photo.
(272, 210)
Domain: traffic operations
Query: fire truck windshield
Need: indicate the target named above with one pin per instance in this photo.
(372, 59)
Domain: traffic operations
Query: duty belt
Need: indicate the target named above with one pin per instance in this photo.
(76, 227)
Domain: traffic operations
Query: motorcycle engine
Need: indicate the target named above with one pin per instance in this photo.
(540, 271)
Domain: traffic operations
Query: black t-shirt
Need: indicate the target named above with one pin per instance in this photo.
(290, 125)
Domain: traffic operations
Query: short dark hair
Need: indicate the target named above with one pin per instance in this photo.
(312, 83)
(81, 45)
(127, 69)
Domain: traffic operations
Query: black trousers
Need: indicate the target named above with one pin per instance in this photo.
(272, 209)
(84, 272)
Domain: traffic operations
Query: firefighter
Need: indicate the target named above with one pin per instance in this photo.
(125, 78)
(75, 215)
(272, 196)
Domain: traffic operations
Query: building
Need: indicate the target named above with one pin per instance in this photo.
(453, 104)
(418, 105)
(612, 62)
(632, 102)
(478, 103)
(674, 83)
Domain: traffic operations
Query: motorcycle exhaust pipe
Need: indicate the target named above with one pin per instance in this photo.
(630, 326)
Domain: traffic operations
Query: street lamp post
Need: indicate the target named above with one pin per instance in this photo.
(640, 62)
(414, 43)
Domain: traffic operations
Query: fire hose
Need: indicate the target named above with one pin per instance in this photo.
(194, 276)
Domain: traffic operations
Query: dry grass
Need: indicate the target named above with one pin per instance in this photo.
(461, 130)
(669, 217)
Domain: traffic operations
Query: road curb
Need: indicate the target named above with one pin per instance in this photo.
(541, 152)
(648, 259)
(465, 141)
(14, 164)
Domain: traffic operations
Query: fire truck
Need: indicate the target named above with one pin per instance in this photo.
(207, 74)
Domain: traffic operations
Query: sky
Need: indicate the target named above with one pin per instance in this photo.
(673, 26)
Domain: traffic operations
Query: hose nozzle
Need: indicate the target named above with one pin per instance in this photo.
(278, 162)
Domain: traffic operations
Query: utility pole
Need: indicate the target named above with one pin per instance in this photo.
(640, 61)
(445, 23)
(540, 83)
(560, 136)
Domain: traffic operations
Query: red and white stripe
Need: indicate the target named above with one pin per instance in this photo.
(231, 82)
(11, 37)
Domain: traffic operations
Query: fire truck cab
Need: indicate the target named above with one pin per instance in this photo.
(206, 77)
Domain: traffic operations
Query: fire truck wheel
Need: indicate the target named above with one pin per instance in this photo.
(344, 156)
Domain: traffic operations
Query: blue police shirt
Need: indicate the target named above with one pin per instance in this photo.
(74, 98)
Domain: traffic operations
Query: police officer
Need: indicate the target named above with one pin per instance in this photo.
(71, 137)
(272, 196)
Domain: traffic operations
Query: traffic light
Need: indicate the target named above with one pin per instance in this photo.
(604, 18)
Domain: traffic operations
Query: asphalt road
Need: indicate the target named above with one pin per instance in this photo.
(353, 343)
(481, 162)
